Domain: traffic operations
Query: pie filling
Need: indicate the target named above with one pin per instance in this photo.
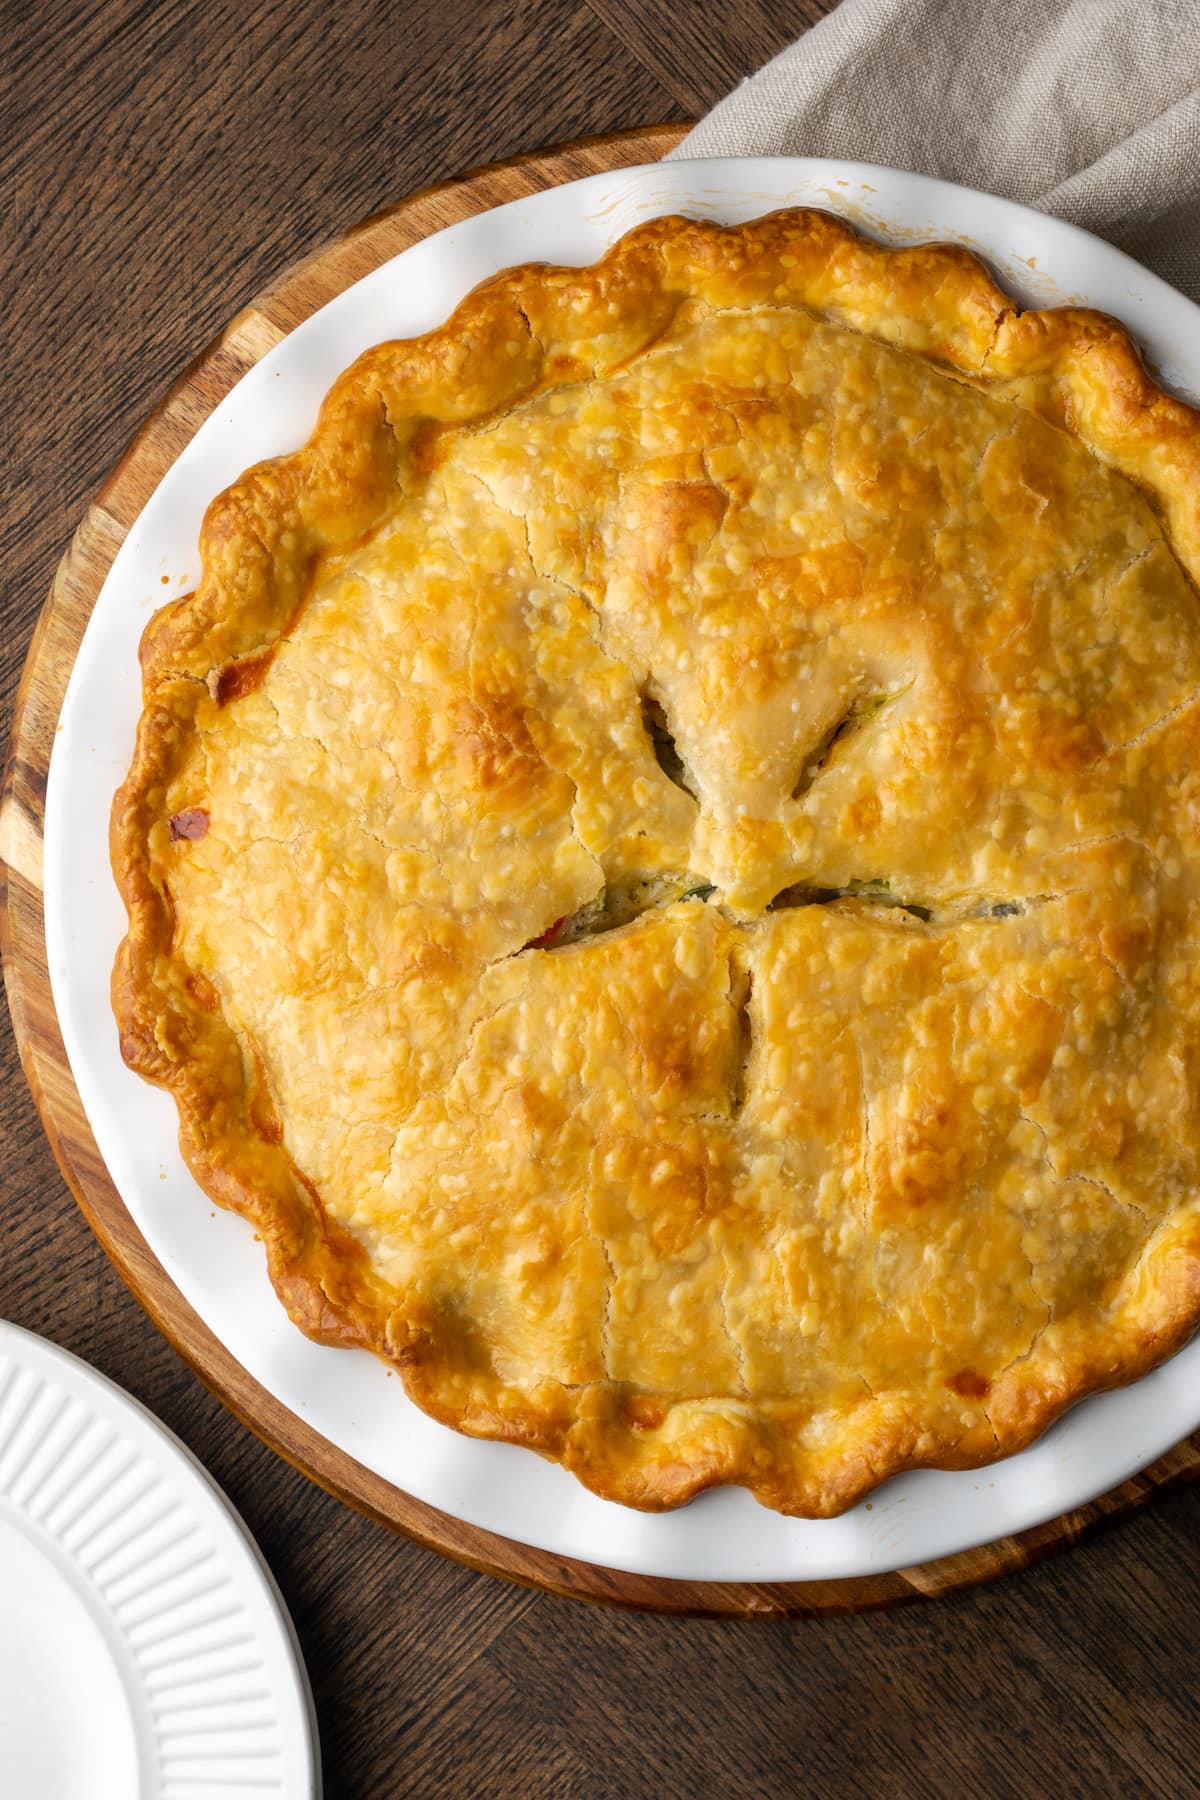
(694, 910)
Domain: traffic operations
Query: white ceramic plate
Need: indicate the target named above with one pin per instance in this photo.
(145, 1648)
(212, 1257)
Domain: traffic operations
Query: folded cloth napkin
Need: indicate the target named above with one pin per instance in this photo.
(1088, 109)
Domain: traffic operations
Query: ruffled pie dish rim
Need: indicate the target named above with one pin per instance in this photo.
(1075, 367)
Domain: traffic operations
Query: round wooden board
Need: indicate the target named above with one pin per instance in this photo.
(289, 300)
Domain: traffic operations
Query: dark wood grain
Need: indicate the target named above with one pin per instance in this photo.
(700, 52)
(158, 164)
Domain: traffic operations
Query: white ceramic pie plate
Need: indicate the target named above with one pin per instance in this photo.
(212, 1256)
(144, 1649)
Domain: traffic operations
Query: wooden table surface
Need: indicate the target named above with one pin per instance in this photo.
(160, 162)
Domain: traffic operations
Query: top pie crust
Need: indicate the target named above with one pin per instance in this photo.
(661, 863)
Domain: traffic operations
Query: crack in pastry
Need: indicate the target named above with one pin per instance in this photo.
(876, 892)
(618, 904)
(666, 752)
(860, 713)
(661, 864)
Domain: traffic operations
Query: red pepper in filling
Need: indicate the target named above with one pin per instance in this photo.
(192, 824)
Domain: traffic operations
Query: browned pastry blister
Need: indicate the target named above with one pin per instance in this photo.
(662, 860)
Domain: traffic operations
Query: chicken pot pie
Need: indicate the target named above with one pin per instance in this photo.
(661, 862)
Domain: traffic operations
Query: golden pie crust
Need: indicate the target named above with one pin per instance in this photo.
(662, 863)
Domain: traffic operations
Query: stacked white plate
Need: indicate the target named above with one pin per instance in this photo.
(144, 1648)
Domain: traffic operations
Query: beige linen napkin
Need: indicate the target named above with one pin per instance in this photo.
(1088, 109)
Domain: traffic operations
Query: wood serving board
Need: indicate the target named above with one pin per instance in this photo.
(299, 292)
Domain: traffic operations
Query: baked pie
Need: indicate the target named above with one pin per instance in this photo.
(662, 859)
